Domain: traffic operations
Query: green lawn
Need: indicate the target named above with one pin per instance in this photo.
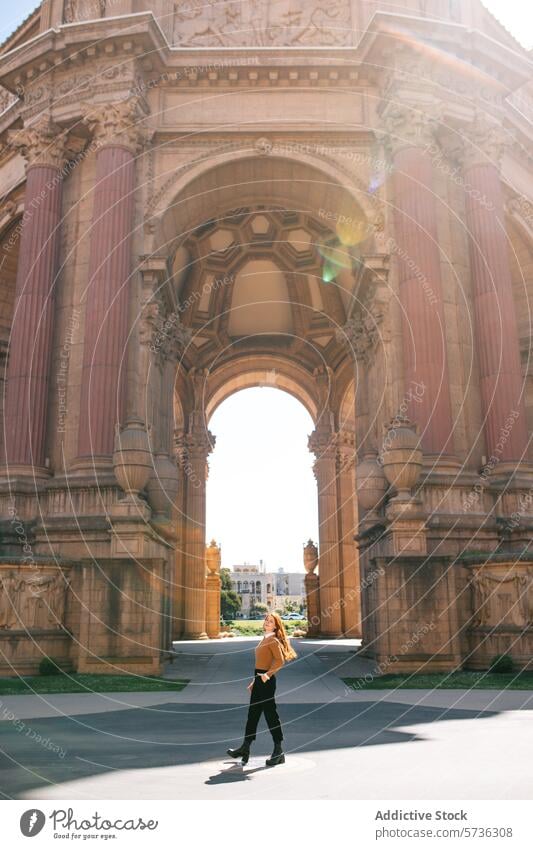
(451, 681)
(79, 683)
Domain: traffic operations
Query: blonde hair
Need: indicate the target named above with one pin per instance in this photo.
(281, 634)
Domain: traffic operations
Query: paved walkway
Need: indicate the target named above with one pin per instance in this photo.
(340, 743)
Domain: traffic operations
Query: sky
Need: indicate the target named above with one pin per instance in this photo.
(261, 491)
(516, 15)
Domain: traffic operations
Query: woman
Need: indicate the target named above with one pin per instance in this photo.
(270, 655)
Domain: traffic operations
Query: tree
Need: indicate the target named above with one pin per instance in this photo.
(230, 602)
(290, 606)
(258, 609)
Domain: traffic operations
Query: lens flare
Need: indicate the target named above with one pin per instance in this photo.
(351, 231)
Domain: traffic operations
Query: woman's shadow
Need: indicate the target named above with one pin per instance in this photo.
(236, 772)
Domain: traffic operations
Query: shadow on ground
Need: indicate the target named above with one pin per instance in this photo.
(182, 734)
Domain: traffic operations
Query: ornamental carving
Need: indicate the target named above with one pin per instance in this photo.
(484, 141)
(42, 143)
(256, 23)
(121, 123)
(369, 328)
(162, 332)
(194, 445)
(407, 126)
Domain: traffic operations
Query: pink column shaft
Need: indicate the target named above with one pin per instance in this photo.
(424, 332)
(495, 317)
(30, 347)
(106, 317)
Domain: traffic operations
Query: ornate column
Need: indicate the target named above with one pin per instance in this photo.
(119, 137)
(349, 555)
(366, 335)
(312, 590)
(213, 584)
(194, 447)
(416, 247)
(322, 444)
(30, 350)
(502, 384)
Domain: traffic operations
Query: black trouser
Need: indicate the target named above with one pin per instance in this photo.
(262, 700)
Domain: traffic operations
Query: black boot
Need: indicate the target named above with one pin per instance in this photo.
(243, 752)
(277, 756)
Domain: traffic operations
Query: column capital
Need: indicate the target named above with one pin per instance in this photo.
(406, 125)
(162, 332)
(194, 444)
(346, 453)
(41, 144)
(365, 331)
(322, 443)
(481, 142)
(118, 124)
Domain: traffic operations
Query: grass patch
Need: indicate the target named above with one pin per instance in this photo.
(442, 681)
(80, 683)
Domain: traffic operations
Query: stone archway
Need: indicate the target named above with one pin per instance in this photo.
(263, 283)
(264, 263)
(334, 451)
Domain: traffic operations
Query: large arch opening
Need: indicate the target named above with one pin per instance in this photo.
(261, 494)
(265, 280)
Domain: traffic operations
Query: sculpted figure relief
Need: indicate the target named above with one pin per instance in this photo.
(256, 23)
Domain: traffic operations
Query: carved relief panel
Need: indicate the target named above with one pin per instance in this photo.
(32, 598)
(198, 23)
(503, 598)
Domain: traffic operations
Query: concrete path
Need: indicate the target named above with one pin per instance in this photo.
(340, 744)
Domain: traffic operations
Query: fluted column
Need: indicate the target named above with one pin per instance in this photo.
(349, 555)
(118, 134)
(322, 444)
(502, 384)
(194, 448)
(427, 385)
(30, 349)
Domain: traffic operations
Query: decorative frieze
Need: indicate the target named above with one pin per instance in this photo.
(259, 24)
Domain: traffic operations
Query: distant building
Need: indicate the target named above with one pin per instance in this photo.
(255, 585)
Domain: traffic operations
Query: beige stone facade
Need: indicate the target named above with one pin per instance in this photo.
(332, 198)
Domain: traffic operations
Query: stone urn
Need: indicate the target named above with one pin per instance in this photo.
(213, 558)
(401, 456)
(132, 460)
(371, 483)
(310, 557)
(163, 486)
